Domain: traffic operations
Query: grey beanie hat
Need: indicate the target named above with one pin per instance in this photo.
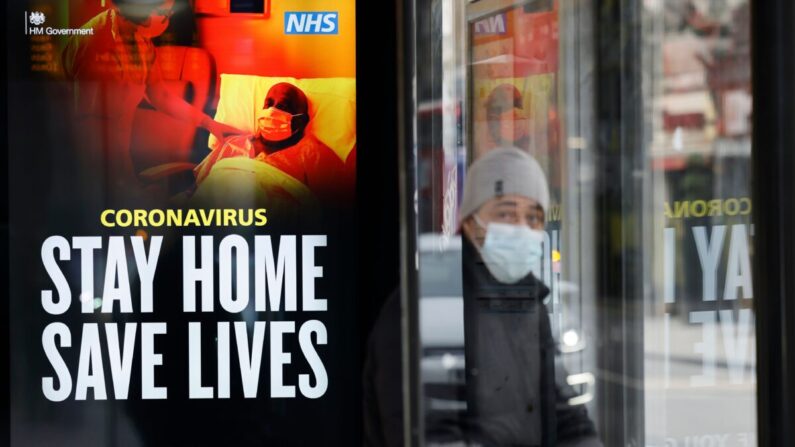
(503, 171)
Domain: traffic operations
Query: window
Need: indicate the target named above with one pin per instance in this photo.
(639, 120)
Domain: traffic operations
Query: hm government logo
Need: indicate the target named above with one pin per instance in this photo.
(37, 18)
(33, 27)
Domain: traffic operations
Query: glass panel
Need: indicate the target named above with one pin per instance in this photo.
(700, 383)
(627, 295)
(506, 352)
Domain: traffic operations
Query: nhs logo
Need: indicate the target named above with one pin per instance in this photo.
(495, 24)
(315, 22)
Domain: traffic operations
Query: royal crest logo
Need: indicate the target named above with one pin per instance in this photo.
(37, 18)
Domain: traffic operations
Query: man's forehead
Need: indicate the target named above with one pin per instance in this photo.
(282, 90)
(284, 94)
(512, 201)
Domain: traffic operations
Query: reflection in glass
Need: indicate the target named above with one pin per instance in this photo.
(700, 381)
(668, 341)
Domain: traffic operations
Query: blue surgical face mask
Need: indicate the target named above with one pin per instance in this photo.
(511, 252)
(276, 125)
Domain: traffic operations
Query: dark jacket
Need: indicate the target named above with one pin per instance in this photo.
(511, 391)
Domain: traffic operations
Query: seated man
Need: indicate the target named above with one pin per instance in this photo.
(287, 164)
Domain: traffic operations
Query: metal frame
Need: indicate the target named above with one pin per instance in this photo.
(405, 14)
(773, 159)
(481, 8)
(619, 220)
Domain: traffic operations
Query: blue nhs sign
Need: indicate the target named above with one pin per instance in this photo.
(315, 22)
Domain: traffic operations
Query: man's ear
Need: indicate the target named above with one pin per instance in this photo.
(469, 229)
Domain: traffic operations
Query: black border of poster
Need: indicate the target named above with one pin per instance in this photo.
(5, 395)
(377, 193)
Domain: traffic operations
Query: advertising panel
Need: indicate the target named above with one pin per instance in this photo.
(182, 189)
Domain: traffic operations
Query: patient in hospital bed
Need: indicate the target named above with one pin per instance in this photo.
(280, 165)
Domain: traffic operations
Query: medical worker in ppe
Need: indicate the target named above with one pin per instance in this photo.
(112, 70)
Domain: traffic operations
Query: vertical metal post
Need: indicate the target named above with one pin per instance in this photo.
(773, 158)
(620, 156)
(407, 162)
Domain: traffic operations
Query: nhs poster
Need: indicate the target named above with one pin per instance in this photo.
(182, 186)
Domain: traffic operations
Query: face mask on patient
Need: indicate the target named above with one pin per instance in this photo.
(276, 125)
